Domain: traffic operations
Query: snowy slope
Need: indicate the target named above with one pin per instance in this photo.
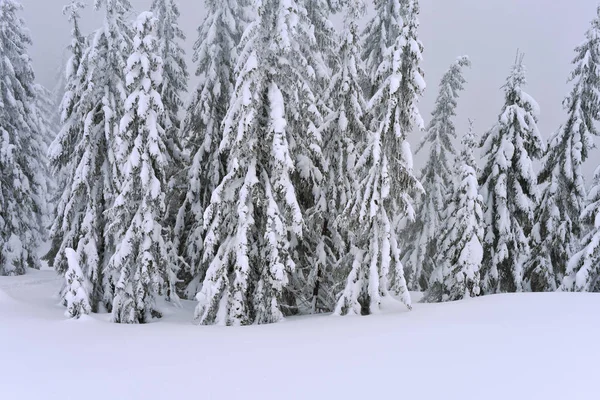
(530, 346)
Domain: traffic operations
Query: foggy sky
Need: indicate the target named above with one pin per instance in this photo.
(489, 31)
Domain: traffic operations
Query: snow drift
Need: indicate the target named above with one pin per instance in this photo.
(524, 346)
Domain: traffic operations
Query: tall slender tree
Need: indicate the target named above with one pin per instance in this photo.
(559, 226)
(255, 216)
(387, 180)
(509, 186)
(437, 178)
(142, 260)
(68, 100)
(215, 53)
(175, 73)
(458, 264)
(84, 148)
(310, 283)
(343, 130)
(21, 144)
(315, 52)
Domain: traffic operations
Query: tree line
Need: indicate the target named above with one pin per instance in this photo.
(284, 183)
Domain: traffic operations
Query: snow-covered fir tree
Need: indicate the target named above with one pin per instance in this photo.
(84, 148)
(66, 103)
(215, 53)
(437, 177)
(175, 74)
(559, 227)
(315, 54)
(509, 186)
(21, 144)
(70, 74)
(343, 129)
(174, 82)
(319, 50)
(58, 178)
(457, 272)
(113, 42)
(387, 184)
(142, 261)
(255, 217)
(380, 31)
(583, 269)
(77, 294)
(175, 78)
(51, 106)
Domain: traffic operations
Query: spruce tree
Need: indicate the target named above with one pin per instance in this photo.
(321, 51)
(583, 269)
(458, 264)
(315, 53)
(142, 262)
(387, 182)
(50, 103)
(559, 227)
(255, 217)
(175, 74)
(114, 44)
(509, 186)
(437, 178)
(311, 282)
(84, 148)
(21, 145)
(380, 31)
(215, 53)
(70, 73)
(343, 129)
(174, 82)
(67, 103)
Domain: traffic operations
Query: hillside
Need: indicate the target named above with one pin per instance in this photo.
(529, 346)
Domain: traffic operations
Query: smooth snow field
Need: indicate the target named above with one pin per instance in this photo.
(525, 346)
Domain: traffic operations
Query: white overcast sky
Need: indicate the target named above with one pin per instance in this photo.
(489, 31)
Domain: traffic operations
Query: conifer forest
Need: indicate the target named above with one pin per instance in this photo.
(268, 207)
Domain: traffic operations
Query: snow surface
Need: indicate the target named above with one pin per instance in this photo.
(521, 346)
